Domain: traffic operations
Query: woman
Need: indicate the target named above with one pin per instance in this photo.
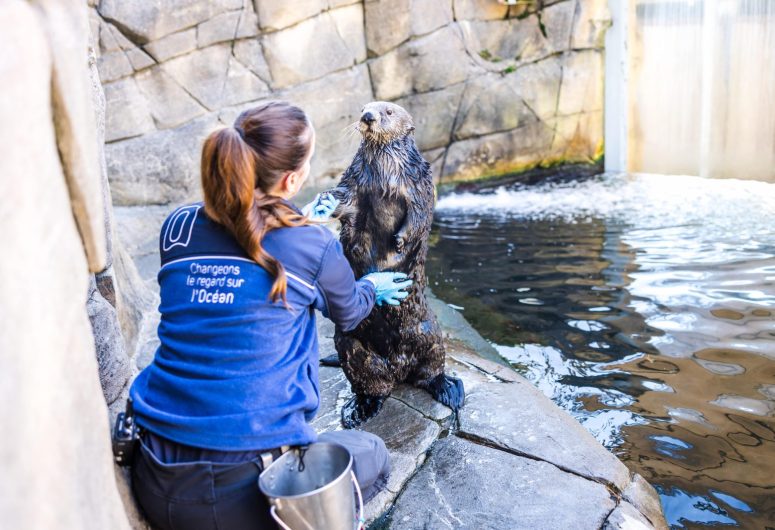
(235, 378)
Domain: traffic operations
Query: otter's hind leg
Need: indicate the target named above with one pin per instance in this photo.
(430, 376)
(370, 378)
(447, 390)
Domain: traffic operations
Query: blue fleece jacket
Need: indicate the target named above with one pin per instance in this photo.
(234, 371)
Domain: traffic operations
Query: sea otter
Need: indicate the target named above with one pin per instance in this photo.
(386, 210)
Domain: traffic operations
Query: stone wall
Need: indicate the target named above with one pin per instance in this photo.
(493, 88)
(57, 469)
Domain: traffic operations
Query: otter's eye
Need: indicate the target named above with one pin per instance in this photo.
(389, 112)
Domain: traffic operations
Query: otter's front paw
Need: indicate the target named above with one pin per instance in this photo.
(400, 243)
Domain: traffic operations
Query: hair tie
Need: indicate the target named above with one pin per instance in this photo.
(240, 132)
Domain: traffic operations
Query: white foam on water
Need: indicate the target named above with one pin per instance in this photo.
(642, 200)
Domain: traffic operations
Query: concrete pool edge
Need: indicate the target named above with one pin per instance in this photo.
(497, 464)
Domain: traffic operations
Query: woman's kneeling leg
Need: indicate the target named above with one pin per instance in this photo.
(371, 460)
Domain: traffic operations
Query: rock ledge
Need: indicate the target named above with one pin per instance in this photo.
(510, 459)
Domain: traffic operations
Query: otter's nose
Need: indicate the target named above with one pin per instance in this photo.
(368, 117)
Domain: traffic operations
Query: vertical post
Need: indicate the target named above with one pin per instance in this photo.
(616, 106)
(710, 20)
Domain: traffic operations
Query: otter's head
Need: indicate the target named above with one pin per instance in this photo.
(382, 122)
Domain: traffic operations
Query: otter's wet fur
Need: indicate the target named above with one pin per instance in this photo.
(386, 210)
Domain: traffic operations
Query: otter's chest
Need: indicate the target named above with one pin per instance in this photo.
(379, 212)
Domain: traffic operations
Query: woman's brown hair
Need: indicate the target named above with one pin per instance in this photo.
(241, 164)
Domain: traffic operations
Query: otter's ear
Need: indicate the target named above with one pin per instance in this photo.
(410, 128)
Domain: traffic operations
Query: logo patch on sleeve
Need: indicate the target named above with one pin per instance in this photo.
(180, 227)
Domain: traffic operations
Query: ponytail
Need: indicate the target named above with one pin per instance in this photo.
(235, 177)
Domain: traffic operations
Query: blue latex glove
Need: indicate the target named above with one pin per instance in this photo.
(321, 208)
(389, 286)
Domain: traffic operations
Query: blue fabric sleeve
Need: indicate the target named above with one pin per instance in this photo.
(340, 297)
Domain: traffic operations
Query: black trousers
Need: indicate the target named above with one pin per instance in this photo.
(205, 495)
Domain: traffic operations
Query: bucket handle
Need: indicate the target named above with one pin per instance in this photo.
(361, 520)
(273, 512)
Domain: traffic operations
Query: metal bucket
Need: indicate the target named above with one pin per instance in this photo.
(313, 491)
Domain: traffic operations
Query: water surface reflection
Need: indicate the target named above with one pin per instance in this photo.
(644, 306)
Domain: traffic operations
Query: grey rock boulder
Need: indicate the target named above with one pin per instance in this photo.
(434, 114)
(227, 27)
(114, 65)
(388, 24)
(221, 28)
(498, 153)
(114, 366)
(494, 414)
(391, 74)
(274, 16)
(278, 15)
(558, 24)
(136, 304)
(468, 486)
(538, 85)
(626, 517)
(119, 56)
(642, 495)
(428, 63)
(491, 104)
(215, 77)
(147, 21)
(581, 89)
(590, 24)
(429, 15)
(479, 10)
(172, 45)
(435, 157)
(158, 168)
(392, 22)
(250, 53)
(318, 46)
(112, 39)
(53, 209)
(349, 23)
(439, 60)
(127, 112)
(500, 43)
(578, 137)
(169, 104)
(138, 229)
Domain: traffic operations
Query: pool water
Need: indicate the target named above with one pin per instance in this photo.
(644, 306)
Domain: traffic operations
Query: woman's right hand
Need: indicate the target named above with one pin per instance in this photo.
(389, 286)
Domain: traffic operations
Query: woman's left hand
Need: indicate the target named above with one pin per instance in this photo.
(321, 208)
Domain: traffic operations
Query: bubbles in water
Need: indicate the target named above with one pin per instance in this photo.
(648, 201)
